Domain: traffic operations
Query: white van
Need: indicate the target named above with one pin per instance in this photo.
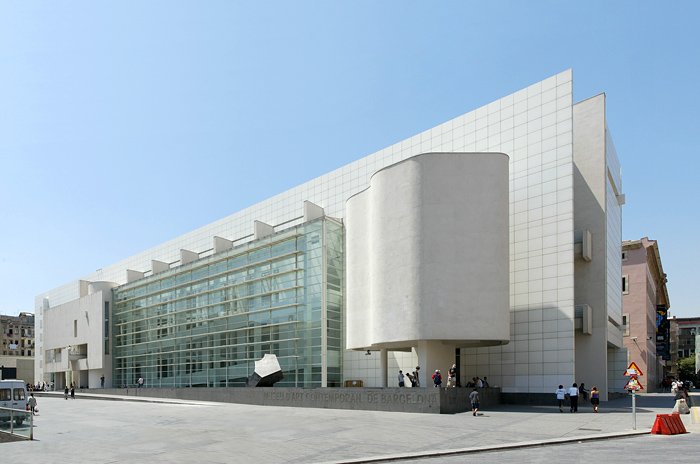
(13, 394)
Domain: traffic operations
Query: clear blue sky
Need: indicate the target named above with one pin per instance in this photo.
(124, 124)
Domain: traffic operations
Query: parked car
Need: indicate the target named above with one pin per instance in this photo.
(13, 395)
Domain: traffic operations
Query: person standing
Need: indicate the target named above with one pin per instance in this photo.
(102, 381)
(65, 393)
(415, 376)
(474, 400)
(479, 383)
(573, 397)
(561, 395)
(582, 392)
(437, 378)
(31, 402)
(400, 377)
(139, 382)
(595, 398)
(452, 376)
(72, 392)
(411, 379)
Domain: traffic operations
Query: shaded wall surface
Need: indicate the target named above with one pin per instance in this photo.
(417, 400)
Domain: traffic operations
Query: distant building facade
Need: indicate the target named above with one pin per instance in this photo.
(685, 340)
(17, 345)
(645, 305)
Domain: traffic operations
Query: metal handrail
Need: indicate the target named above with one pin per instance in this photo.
(12, 420)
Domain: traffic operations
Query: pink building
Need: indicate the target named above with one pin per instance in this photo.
(644, 297)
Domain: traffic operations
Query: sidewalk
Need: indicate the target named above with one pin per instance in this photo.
(174, 431)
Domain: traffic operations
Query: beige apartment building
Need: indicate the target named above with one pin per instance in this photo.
(17, 346)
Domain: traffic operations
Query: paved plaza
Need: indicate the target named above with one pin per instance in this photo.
(95, 430)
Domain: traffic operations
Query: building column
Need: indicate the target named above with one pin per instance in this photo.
(434, 355)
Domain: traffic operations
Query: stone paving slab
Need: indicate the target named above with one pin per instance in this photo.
(170, 431)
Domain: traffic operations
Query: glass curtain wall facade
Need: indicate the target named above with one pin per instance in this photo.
(204, 324)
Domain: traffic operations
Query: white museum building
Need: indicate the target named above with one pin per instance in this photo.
(492, 241)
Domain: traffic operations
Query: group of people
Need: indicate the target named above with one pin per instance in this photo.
(475, 382)
(679, 389)
(478, 383)
(412, 377)
(40, 386)
(572, 395)
(71, 390)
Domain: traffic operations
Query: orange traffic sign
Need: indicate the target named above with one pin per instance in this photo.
(633, 370)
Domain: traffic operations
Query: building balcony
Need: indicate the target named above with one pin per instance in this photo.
(77, 352)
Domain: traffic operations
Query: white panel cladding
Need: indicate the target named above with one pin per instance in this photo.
(431, 244)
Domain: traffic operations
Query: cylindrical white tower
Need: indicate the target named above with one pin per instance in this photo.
(427, 255)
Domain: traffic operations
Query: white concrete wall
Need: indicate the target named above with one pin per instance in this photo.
(597, 185)
(589, 200)
(431, 247)
(88, 313)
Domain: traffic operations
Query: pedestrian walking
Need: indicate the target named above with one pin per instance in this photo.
(415, 376)
(401, 380)
(139, 382)
(31, 402)
(72, 392)
(674, 387)
(102, 381)
(573, 397)
(65, 393)
(561, 396)
(595, 398)
(474, 400)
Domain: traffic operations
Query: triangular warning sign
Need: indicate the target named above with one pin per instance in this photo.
(633, 369)
(633, 384)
